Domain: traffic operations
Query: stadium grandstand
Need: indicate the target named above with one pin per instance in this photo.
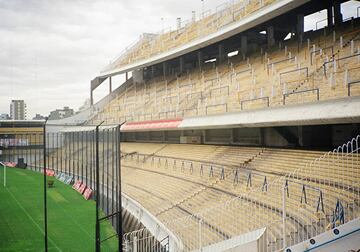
(237, 131)
(232, 127)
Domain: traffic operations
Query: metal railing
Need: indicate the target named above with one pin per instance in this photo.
(302, 91)
(350, 84)
(300, 204)
(216, 105)
(143, 240)
(267, 99)
(338, 60)
(190, 30)
(320, 50)
(295, 70)
(219, 89)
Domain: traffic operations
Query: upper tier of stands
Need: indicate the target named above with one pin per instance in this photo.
(153, 44)
(326, 66)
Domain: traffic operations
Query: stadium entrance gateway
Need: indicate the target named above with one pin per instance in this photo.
(78, 164)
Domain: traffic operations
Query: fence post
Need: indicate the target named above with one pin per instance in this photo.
(200, 234)
(284, 215)
(135, 244)
(45, 189)
(119, 200)
(97, 176)
(4, 175)
(97, 225)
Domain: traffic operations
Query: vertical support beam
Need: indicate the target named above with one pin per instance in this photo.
(126, 76)
(91, 97)
(244, 45)
(221, 55)
(262, 137)
(110, 85)
(165, 68)
(300, 135)
(200, 59)
(270, 36)
(300, 27)
(330, 16)
(181, 64)
(337, 13)
(204, 136)
(152, 72)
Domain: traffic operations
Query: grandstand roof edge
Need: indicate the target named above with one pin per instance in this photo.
(343, 110)
(248, 22)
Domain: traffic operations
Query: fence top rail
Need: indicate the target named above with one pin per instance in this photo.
(353, 82)
(283, 60)
(346, 57)
(322, 49)
(301, 91)
(243, 70)
(211, 79)
(87, 128)
(218, 88)
(215, 105)
(295, 70)
(254, 99)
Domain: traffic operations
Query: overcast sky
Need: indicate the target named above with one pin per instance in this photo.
(51, 49)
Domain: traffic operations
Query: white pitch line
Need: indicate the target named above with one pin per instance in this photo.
(28, 215)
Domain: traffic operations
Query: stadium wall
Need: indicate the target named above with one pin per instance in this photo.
(342, 238)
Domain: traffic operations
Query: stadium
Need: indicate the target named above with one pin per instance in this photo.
(237, 131)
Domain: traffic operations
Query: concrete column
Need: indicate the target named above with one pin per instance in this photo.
(138, 75)
(330, 16)
(232, 133)
(91, 97)
(110, 85)
(270, 36)
(165, 68)
(337, 13)
(181, 63)
(300, 26)
(243, 45)
(221, 55)
(200, 59)
(126, 76)
(300, 135)
(262, 137)
(152, 72)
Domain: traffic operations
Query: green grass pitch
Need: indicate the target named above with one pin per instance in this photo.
(71, 219)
